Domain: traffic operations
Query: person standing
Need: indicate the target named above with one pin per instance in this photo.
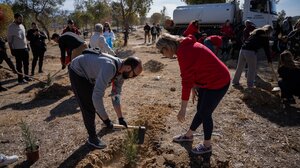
(249, 27)
(70, 41)
(90, 74)
(193, 29)
(16, 38)
(227, 33)
(158, 28)
(147, 29)
(98, 40)
(109, 35)
(259, 38)
(287, 26)
(203, 74)
(71, 28)
(38, 46)
(153, 33)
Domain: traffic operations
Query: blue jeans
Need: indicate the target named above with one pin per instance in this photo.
(208, 100)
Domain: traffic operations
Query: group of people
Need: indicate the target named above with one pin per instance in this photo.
(207, 78)
(154, 31)
(203, 74)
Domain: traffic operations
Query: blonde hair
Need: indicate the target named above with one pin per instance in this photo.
(266, 28)
(168, 41)
(287, 60)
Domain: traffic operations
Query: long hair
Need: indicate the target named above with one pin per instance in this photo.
(287, 60)
(107, 25)
(168, 41)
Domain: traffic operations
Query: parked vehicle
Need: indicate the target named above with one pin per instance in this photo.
(213, 16)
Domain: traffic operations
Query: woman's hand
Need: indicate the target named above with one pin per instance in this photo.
(181, 115)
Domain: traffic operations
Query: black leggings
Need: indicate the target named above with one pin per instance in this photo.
(208, 100)
(37, 56)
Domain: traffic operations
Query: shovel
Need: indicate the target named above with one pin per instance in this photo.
(24, 75)
(141, 131)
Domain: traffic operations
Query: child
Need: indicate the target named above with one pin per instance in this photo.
(289, 71)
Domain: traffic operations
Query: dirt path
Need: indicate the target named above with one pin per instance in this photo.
(251, 127)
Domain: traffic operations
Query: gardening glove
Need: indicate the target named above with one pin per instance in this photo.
(108, 123)
(122, 121)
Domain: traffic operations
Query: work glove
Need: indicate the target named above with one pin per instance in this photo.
(122, 121)
(108, 123)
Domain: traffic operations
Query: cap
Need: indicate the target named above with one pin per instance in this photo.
(54, 35)
(98, 27)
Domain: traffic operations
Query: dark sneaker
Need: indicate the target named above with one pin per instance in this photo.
(28, 79)
(40, 71)
(235, 84)
(182, 138)
(96, 142)
(201, 149)
(23, 81)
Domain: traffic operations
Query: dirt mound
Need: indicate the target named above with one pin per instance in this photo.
(5, 75)
(153, 66)
(54, 91)
(260, 97)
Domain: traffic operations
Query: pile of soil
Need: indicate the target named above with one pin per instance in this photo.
(5, 75)
(54, 91)
(260, 97)
(153, 66)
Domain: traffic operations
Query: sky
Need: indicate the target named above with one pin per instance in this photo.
(291, 7)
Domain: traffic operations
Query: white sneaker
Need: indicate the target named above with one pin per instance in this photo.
(7, 160)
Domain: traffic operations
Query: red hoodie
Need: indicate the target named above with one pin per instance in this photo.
(200, 67)
(191, 29)
(216, 40)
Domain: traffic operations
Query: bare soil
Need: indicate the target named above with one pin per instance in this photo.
(251, 127)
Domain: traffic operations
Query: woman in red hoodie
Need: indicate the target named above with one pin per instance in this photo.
(203, 74)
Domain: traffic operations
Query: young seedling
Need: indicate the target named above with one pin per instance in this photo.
(28, 137)
(130, 147)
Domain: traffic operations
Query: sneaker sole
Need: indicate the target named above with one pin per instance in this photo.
(183, 140)
(200, 153)
(98, 147)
